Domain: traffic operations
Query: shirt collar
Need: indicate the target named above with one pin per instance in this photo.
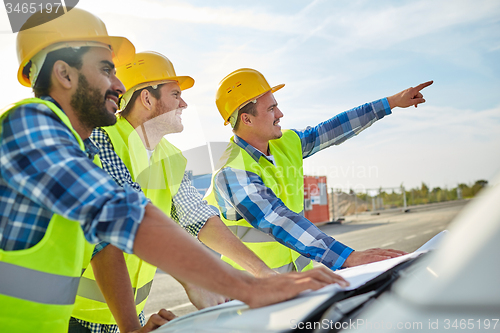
(50, 99)
(251, 150)
(91, 148)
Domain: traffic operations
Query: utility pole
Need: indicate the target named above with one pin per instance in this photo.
(355, 204)
(333, 203)
(404, 198)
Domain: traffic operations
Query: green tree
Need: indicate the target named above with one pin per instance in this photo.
(478, 186)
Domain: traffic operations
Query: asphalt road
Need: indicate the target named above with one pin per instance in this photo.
(391, 229)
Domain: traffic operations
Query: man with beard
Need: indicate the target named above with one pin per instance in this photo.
(151, 109)
(260, 188)
(52, 197)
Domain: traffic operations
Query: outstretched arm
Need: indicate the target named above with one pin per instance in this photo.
(408, 97)
(341, 127)
(347, 124)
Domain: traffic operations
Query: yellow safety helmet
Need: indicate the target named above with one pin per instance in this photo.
(239, 88)
(77, 25)
(148, 69)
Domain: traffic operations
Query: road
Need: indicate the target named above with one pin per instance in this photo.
(394, 229)
(402, 231)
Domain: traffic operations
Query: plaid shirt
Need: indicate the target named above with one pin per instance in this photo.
(188, 207)
(243, 194)
(107, 328)
(43, 171)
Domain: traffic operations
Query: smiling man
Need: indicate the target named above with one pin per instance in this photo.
(259, 190)
(53, 197)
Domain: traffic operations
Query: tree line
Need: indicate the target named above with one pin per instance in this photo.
(421, 195)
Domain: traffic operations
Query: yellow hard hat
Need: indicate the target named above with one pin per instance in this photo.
(148, 68)
(239, 88)
(77, 25)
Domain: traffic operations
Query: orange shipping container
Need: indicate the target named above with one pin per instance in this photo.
(316, 199)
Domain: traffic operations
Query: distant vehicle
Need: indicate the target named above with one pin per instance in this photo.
(454, 288)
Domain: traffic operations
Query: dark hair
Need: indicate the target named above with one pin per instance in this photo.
(155, 92)
(71, 56)
(250, 108)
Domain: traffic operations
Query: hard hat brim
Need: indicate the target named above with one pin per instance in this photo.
(276, 88)
(123, 52)
(185, 82)
(273, 90)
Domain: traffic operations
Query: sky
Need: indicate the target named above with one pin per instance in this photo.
(332, 56)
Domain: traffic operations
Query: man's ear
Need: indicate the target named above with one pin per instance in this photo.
(64, 74)
(146, 99)
(246, 119)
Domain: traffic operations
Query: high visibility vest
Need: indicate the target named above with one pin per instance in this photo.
(38, 285)
(160, 178)
(285, 178)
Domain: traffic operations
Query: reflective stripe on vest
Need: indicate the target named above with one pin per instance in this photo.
(302, 262)
(250, 234)
(88, 288)
(143, 292)
(285, 179)
(298, 265)
(38, 285)
(90, 304)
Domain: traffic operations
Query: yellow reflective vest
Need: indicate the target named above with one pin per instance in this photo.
(285, 178)
(160, 178)
(38, 285)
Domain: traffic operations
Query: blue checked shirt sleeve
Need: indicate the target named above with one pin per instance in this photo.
(343, 126)
(189, 209)
(41, 159)
(242, 194)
